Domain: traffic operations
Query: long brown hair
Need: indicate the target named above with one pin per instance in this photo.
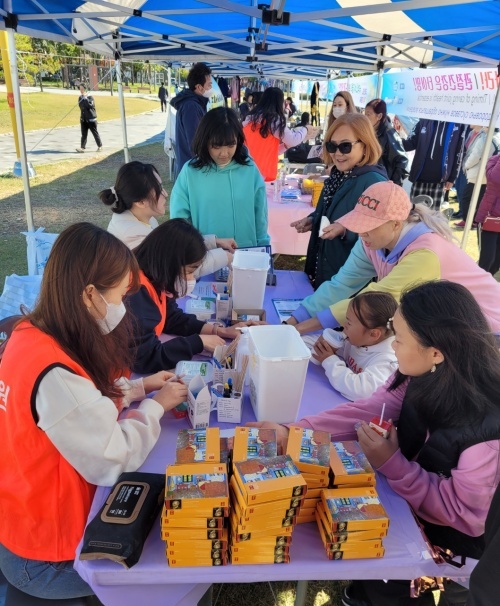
(350, 109)
(363, 130)
(85, 254)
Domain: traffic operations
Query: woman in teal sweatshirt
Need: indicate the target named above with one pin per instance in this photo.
(221, 190)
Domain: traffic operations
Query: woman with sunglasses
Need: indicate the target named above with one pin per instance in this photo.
(352, 147)
(444, 457)
(137, 199)
(393, 157)
(400, 244)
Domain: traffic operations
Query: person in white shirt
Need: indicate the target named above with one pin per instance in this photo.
(361, 359)
(137, 199)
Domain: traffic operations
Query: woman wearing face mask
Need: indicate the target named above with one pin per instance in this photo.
(59, 410)
(137, 199)
(393, 154)
(221, 191)
(167, 259)
(267, 135)
(343, 103)
(400, 244)
(351, 145)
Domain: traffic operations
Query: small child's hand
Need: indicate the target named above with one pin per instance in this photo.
(156, 381)
(322, 350)
(377, 449)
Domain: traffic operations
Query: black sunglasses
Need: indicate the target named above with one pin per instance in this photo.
(345, 147)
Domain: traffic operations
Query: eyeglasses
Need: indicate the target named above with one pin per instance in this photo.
(344, 148)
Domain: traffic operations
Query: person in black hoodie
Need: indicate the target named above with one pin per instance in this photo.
(352, 146)
(393, 155)
(88, 119)
(191, 106)
(438, 155)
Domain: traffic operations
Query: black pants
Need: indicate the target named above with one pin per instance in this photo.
(397, 593)
(163, 105)
(466, 198)
(489, 251)
(92, 126)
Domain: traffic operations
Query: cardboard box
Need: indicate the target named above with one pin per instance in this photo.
(261, 509)
(310, 450)
(194, 534)
(178, 562)
(353, 509)
(198, 445)
(353, 536)
(349, 465)
(261, 534)
(199, 402)
(252, 442)
(259, 559)
(243, 315)
(197, 487)
(211, 544)
(269, 479)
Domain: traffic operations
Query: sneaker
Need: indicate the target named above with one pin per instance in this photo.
(80, 150)
(457, 215)
(461, 225)
(354, 595)
(99, 148)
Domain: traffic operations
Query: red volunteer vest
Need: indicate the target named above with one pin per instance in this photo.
(263, 151)
(160, 302)
(44, 502)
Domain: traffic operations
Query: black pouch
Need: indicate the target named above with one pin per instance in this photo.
(120, 529)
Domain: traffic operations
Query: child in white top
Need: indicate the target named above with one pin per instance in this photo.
(364, 359)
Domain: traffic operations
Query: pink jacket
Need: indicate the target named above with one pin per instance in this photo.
(461, 501)
(490, 203)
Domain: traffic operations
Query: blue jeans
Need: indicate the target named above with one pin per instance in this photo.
(49, 580)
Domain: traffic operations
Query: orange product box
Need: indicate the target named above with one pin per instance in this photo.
(269, 479)
(260, 534)
(310, 450)
(257, 550)
(198, 446)
(259, 559)
(211, 544)
(194, 534)
(197, 487)
(316, 481)
(186, 514)
(260, 525)
(313, 493)
(167, 523)
(270, 507)
(349, 465)
(185, 561)
(252, 442)
(353, 536)
(196, 552)
(255, 514)
(354, 509)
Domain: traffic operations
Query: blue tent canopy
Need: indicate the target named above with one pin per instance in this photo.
(290, 37)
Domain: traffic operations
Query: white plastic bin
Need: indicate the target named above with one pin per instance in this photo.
(249, 279)
(278, 367)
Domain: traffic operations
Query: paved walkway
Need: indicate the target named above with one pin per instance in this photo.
(45, 147)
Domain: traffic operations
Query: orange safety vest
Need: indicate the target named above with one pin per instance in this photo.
(160, 302)
(264, 151)
(44, 501)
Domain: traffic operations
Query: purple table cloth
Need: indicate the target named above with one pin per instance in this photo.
(151, 580)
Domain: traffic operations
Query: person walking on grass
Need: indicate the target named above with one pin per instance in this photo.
(163, 96)
(88, 119)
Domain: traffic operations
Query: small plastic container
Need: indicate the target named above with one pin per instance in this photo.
(249, 279)
(278, 368)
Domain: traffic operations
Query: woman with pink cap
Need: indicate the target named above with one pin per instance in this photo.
(400, 244)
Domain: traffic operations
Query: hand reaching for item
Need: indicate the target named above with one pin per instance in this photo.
(303, 225)
(281, 432)
(171, 395)
(227, 244)
(334, 230)
(156, 381)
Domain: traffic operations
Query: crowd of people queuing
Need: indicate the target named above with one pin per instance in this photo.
(406, 317)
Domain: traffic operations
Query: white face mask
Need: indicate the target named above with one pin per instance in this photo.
(181, 285)
(208, 93)
(338, 111)
(114, 315)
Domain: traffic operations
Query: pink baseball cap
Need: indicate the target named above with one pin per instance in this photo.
(381, 202)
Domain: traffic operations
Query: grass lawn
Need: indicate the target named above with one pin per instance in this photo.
(47, 110)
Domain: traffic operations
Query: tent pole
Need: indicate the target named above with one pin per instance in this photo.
(379, 82)
(122, 109)
(169, 78)
(19, 122)
(482, 168)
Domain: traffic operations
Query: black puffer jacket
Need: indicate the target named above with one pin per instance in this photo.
(393, 156)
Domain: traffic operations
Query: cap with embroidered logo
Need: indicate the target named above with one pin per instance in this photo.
(381, 202)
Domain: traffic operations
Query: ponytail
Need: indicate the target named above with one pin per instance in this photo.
(434, 220)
